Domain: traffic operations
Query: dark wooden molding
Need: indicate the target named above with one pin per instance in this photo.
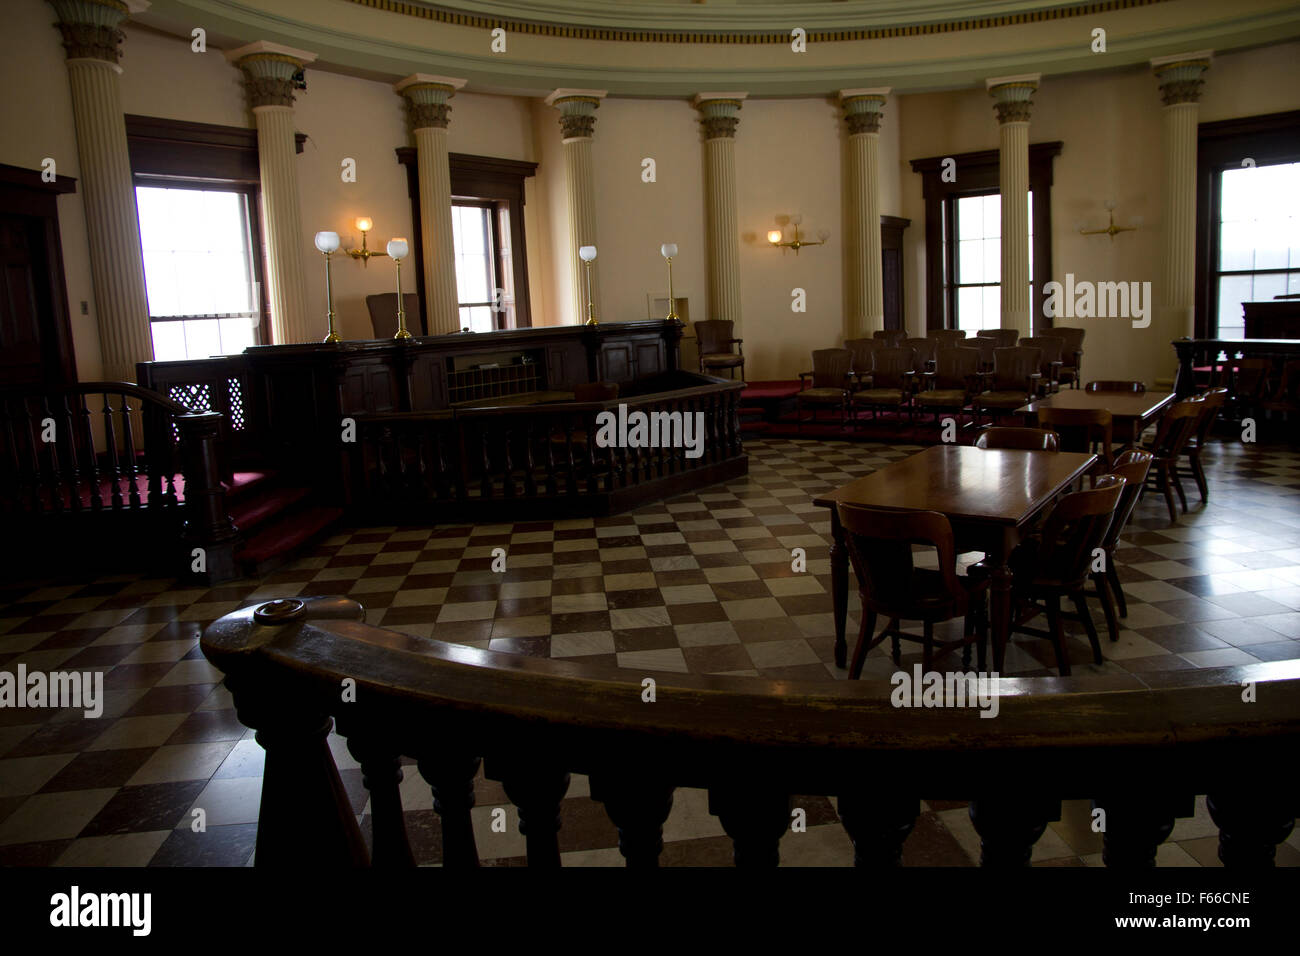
(977, 173)
(1269, 138)
(31, 179)
(893, 270)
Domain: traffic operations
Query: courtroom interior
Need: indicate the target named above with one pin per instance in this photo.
(653, 433)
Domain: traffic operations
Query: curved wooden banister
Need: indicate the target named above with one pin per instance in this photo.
(743, 737)
(146, 395)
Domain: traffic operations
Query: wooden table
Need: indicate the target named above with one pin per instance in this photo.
(1130, 413)
(990, 496)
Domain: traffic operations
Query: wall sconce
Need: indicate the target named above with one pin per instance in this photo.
(588, 254)
(668, 250)
(328, 244)
(775, 237)
(1112, 229)
(364, 224)
(398, 249)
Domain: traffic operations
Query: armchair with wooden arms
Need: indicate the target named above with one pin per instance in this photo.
(1071, 355)
(830, 382)
(1014, 382)
(715, 337)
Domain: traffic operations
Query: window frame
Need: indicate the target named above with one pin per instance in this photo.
(978, 174)
(493, 236)
(1268, 139)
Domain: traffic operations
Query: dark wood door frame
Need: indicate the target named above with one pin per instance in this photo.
(24, 193)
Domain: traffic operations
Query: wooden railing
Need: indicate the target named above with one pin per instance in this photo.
(1219, 355)
(544, 460)
(114, 449)
(1141, 747)
(224, 385)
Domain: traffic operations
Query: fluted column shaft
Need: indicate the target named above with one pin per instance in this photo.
(1180, 80)
(91, 38)
(269, 72)
(1013, 104)
(427, 98)
(866, 286)
(722, 223)
(577, 128)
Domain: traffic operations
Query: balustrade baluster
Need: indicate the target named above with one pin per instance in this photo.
(1136, 825)
(530, 463)
(451, 777)
(110, 452)
(508, 464)
(638, 808)
(381, 772)
(1251, 825)
(132, 466)
(67, 429)
(755, 819)
(1009, 826)
(537, 792)
(878, 824)
(52, 473)
(33, 445)
(12, 474)
(485, 486)
(593, 480)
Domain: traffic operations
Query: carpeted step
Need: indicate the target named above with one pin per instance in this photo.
(284, 535)
(246, 482)
(250, 510)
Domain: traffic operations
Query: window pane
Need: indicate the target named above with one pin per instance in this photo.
(1233, 290)
(478, 318)
(970, 310)
(472, 235)
(169, 341)
(970, 260)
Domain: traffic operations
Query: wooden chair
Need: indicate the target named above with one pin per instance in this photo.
(1215, 398)
(715, 339)
(571, 445)
(1023, 439)
(1014, 382)
(1057, 563)
(985, 346)
(1135, 388)
(383, 312)
(830, 383)
(862, 350)
(953, 384)
(894, 337)
(1081, 430)
(1176, 428)
(891, 383)
(1248, 378)
(1005, 338)
(1049, 362)
(948, 338)
(1071, 355)
(924, 351)
(1133, 466)
(891, 586)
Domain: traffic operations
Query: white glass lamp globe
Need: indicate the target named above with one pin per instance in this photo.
(587, 253)
(327, 241)
(774, 236)
(823, 234)
(398, 248)
(668, 250)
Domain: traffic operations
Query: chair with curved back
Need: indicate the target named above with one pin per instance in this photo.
(985, 346)
(953, 384)
(1049, 361)
(891, 382)
(1022, 439)
(894, 337)
(1081, 430)
(1005, 338)
(1014, 382)
(1057, 563)
(382, 307)
(1215, 399)
(1175, 430)
(891, 586)
(830, 383)
(1103, 385)
(715, 337)
(1071, 354)
(947, 338)
(862, 350)
(924, 352)
(1131, 465)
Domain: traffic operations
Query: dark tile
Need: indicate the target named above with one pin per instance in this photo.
(219, 846)
(99, 768)
(153, 806)
(206, 726)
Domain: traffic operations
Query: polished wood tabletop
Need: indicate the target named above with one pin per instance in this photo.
(999, 486)
(1120, 404)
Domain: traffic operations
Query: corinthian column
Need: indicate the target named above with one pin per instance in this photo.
(721, 223)
(426, 98)
(269, 71)
(91, 39)
(1180, 79)
(577, 126)
(1013, 102)
(862, 113)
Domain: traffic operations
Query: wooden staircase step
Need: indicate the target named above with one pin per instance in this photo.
(249, 511)
(283, 535)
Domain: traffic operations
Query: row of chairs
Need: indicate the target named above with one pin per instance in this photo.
(1051, 565)
(933, 374)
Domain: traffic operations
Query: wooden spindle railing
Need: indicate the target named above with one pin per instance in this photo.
(1140, 748)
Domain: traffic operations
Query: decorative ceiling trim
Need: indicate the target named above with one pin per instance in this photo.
(577, 32)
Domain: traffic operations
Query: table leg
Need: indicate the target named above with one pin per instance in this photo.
(1000, 601)
(839, 587)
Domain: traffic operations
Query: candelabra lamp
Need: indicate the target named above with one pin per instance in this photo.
(778, 241)
(364, 224)
(668, 250)
(588, 255)
(328, 243)
(398, 249)
(1111, 230)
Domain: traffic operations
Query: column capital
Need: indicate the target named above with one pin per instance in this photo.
(269, 71)
(1013, 96)
(577, 111)
(863, 108)
(1181, 76)
(90, 27)
(719, 109)
(427, 97)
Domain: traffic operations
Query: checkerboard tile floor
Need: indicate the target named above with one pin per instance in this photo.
(701, 583)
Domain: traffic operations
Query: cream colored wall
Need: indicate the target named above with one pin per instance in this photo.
(1111, 127)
